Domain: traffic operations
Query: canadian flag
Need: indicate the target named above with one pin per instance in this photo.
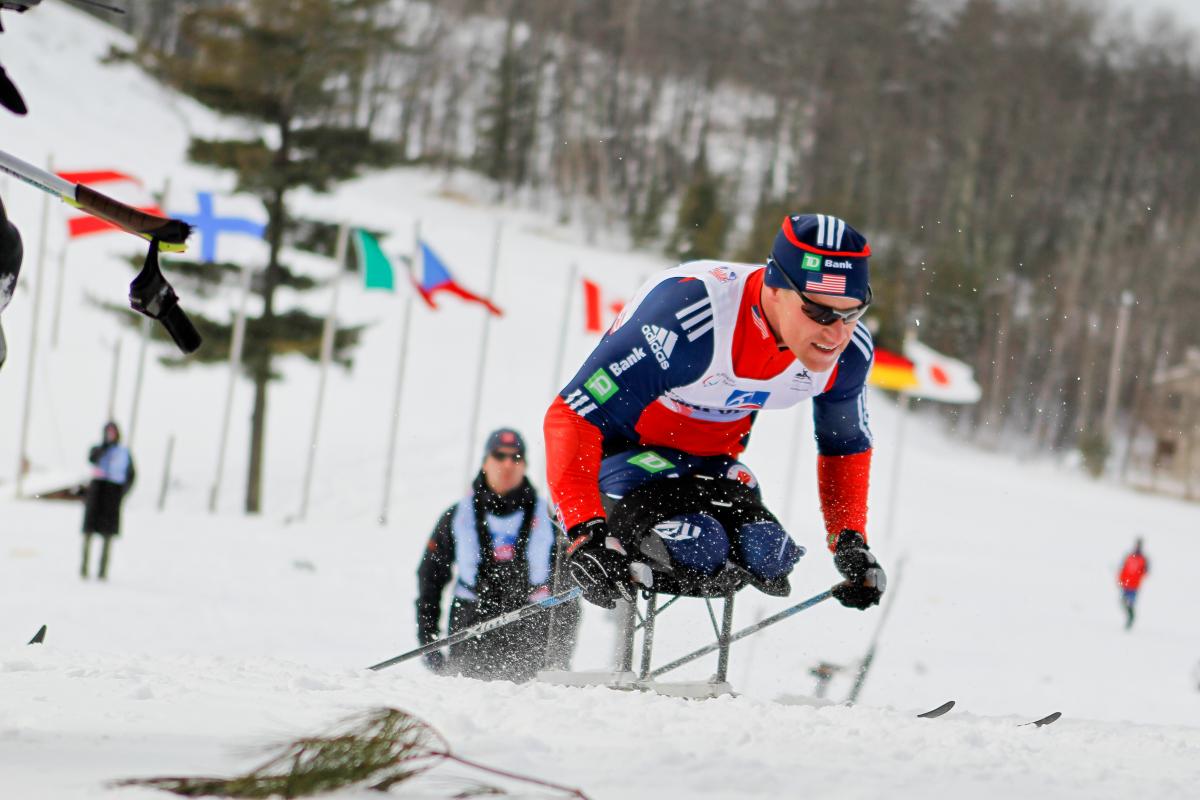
(595, 306)
(86, 224)
(940, 377)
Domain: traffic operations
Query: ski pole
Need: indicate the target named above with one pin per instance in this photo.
(743, 633)
(487, 625)
(171, 234)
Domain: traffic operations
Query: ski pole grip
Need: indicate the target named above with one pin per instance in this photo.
(182, 331)
(171, 231)
(150, 294)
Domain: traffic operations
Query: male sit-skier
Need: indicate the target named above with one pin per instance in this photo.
(662, 408)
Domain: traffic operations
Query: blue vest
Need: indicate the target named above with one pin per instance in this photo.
(113, 464)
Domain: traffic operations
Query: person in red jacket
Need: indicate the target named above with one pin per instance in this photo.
(643, 444)
(1133, 570)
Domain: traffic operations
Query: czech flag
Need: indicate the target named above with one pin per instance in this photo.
(432, 276)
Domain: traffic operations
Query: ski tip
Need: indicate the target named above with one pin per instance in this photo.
(39, 637)
(937, 712)
(1046, 720)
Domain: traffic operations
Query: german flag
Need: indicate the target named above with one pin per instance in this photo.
(893, 372)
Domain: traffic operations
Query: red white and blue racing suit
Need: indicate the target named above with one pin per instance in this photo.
(675, 385)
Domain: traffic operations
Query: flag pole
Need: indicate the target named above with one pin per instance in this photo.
(235, 362)
(793, 465)
(327, 340)
(58, 295)
(572, 277)
(400, 361)
(114, 379)
(483, 348)
(131, 423)
(33, 334)
(897, 459)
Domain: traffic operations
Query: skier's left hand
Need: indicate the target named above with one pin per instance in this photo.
(865, 579)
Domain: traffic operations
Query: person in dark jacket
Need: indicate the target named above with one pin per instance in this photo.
(498, 545)
(112, 478)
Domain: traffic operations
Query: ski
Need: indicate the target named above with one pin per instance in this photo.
(933, 713)
(1046, 720)
(487, 625)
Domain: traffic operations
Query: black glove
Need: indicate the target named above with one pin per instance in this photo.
(598, 565)
(865, 579)
(435, 660)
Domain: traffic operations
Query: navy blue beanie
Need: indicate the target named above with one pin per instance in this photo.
(821, 254)
(504, 437)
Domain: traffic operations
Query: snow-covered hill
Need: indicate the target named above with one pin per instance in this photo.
(217, 633)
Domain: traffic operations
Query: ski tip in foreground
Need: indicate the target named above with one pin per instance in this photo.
(937, 712)
(40, 636)
(1046, 720)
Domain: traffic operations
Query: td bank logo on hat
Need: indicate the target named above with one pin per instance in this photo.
(811, 261)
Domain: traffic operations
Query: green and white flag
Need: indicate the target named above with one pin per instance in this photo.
(375, 267)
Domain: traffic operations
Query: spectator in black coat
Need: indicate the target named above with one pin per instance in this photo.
(112, 478)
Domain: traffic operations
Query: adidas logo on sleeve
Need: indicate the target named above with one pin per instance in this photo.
(662, 343)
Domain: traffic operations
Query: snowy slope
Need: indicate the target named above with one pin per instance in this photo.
(218, 634)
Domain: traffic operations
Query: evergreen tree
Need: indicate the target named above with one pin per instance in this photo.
(767, 219)
(507, 123)
(297, 69)
(701, 224)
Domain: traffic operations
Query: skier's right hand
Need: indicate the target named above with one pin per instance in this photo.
(598, 564)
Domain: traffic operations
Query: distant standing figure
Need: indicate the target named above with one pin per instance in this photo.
(1133, 570)
(112, 478)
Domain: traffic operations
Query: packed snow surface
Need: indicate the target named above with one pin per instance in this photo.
(218, 634)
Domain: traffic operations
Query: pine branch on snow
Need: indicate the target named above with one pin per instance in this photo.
(378, 750)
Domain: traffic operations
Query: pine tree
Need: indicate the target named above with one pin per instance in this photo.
(297, 69)
(701, 224)
(767, 219)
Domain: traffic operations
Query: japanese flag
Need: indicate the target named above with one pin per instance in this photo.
(940, 377)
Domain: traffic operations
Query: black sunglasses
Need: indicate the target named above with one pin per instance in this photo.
(827, 315)
(501, 455)
(821, 313)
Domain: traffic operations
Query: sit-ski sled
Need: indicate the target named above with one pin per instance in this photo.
(636, 516)
(642, 614)
(632, 620)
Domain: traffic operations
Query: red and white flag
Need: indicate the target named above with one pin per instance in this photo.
(940, 377)
(598, 311)
(86, 224)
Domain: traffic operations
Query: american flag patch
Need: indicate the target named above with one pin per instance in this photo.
(758, 322)
(829, 284)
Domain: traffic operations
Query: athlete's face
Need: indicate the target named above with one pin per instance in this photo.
(816, 346)
(503, 469)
